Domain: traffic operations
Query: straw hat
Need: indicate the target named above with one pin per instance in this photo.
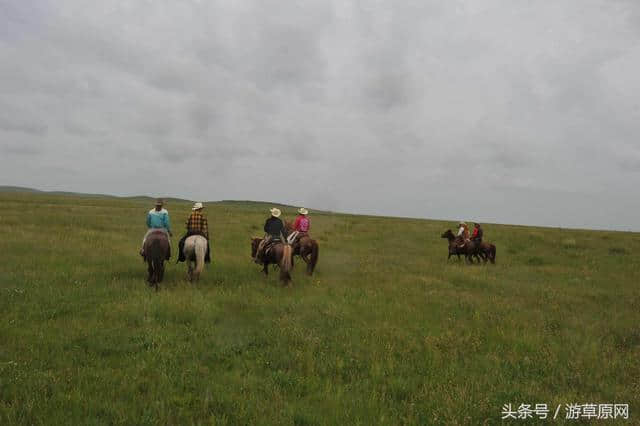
(462, 223)
(275, 212)
(197, 206)
(302, 210)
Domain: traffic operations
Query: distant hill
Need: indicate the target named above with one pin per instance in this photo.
(6, 188)
(249, 202)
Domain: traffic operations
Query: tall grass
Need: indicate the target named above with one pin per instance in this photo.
(385, 332)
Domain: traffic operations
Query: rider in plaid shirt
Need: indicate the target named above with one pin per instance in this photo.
(197, 223)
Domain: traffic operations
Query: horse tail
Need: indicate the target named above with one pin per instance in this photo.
(286, 263)
(158, 269)
(200, 251)
(313, 260)
(492, 251)
(286, 258)
(156, 255)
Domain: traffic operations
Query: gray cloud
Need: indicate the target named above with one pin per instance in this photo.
(421, 108)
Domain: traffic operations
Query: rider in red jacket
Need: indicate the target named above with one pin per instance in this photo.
(476, 237)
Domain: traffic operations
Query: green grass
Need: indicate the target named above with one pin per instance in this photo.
(386, 332)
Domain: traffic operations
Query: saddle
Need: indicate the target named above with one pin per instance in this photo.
(296, 237)
(269, 244)
(461, 242)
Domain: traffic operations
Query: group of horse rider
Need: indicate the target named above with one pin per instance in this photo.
(158, 221)
(276, 232)
(464, 236)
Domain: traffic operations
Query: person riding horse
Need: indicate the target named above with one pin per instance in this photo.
(158, 221)
(196, 225)
(463, 234)
(476, 237)
(276, 232)
(301, 226)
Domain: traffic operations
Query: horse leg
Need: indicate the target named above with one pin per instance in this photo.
(150, 273)
(156, 278)
(306, 257)
(161, 272)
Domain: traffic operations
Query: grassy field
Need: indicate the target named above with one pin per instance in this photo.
(386, 332)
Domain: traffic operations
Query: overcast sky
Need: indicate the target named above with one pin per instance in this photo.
(509, 111)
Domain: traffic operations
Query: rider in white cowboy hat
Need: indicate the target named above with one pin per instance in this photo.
(301, 226)
(463, 233)
(197, 224)
(274, 228)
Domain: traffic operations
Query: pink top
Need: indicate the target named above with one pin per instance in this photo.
(302, 224)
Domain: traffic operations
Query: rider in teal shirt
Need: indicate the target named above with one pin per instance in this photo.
(157, 220)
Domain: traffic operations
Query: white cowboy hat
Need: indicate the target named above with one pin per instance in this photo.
(461, 223)
(197, 206)
(275, 212)
(302, 210)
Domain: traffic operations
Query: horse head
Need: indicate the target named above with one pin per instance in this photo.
(288, 226)
(448, 235)
(255, 242)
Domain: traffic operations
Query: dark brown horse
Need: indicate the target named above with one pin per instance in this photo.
(489, 251)
(469, 250)
(483, 250)
(280, 254)
(305, 247)
(156, 249)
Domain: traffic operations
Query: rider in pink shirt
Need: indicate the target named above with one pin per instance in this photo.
(302, 223)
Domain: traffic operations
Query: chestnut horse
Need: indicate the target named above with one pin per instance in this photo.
(306, 247)
(156, 250)
(280, 254)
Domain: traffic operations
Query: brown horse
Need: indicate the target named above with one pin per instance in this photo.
(305, 247)
(156, 249)
(489, 251)
(280, 254)
(469, 250)
(484, 251)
